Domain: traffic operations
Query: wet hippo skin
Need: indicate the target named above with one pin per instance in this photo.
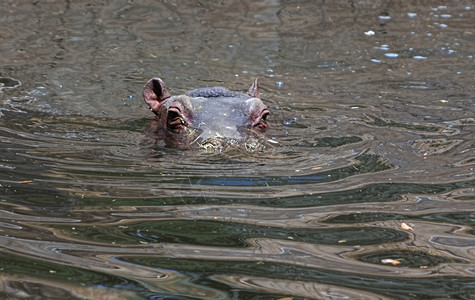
(205, 116)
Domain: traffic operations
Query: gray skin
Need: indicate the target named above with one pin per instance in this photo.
(207, 117)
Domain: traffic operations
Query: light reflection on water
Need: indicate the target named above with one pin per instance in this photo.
(90, 203)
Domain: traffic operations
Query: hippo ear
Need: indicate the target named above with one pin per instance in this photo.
(154, 93)
(254, 89)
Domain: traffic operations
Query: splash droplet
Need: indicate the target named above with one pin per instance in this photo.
(391, 55)
(369, 33)
(419, 57)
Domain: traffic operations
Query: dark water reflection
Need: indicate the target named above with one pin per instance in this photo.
(366, 190)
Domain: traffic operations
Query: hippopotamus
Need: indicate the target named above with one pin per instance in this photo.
(208, 117)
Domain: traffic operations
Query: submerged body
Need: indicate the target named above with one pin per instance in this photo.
(208, 117)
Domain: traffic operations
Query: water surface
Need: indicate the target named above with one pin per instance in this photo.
(366, 190)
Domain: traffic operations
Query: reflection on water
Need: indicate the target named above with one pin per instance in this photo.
(367, 190)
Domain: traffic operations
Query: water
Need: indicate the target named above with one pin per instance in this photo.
(366, 191)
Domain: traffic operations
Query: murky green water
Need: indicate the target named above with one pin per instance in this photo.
(366, 191)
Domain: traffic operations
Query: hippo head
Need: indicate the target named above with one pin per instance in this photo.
(207, 117)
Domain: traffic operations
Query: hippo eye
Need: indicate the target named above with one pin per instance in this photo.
(175, 121)
(261, 123)
(264, 116)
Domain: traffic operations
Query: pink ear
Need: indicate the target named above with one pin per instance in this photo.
(254, 89)
(154, 93)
